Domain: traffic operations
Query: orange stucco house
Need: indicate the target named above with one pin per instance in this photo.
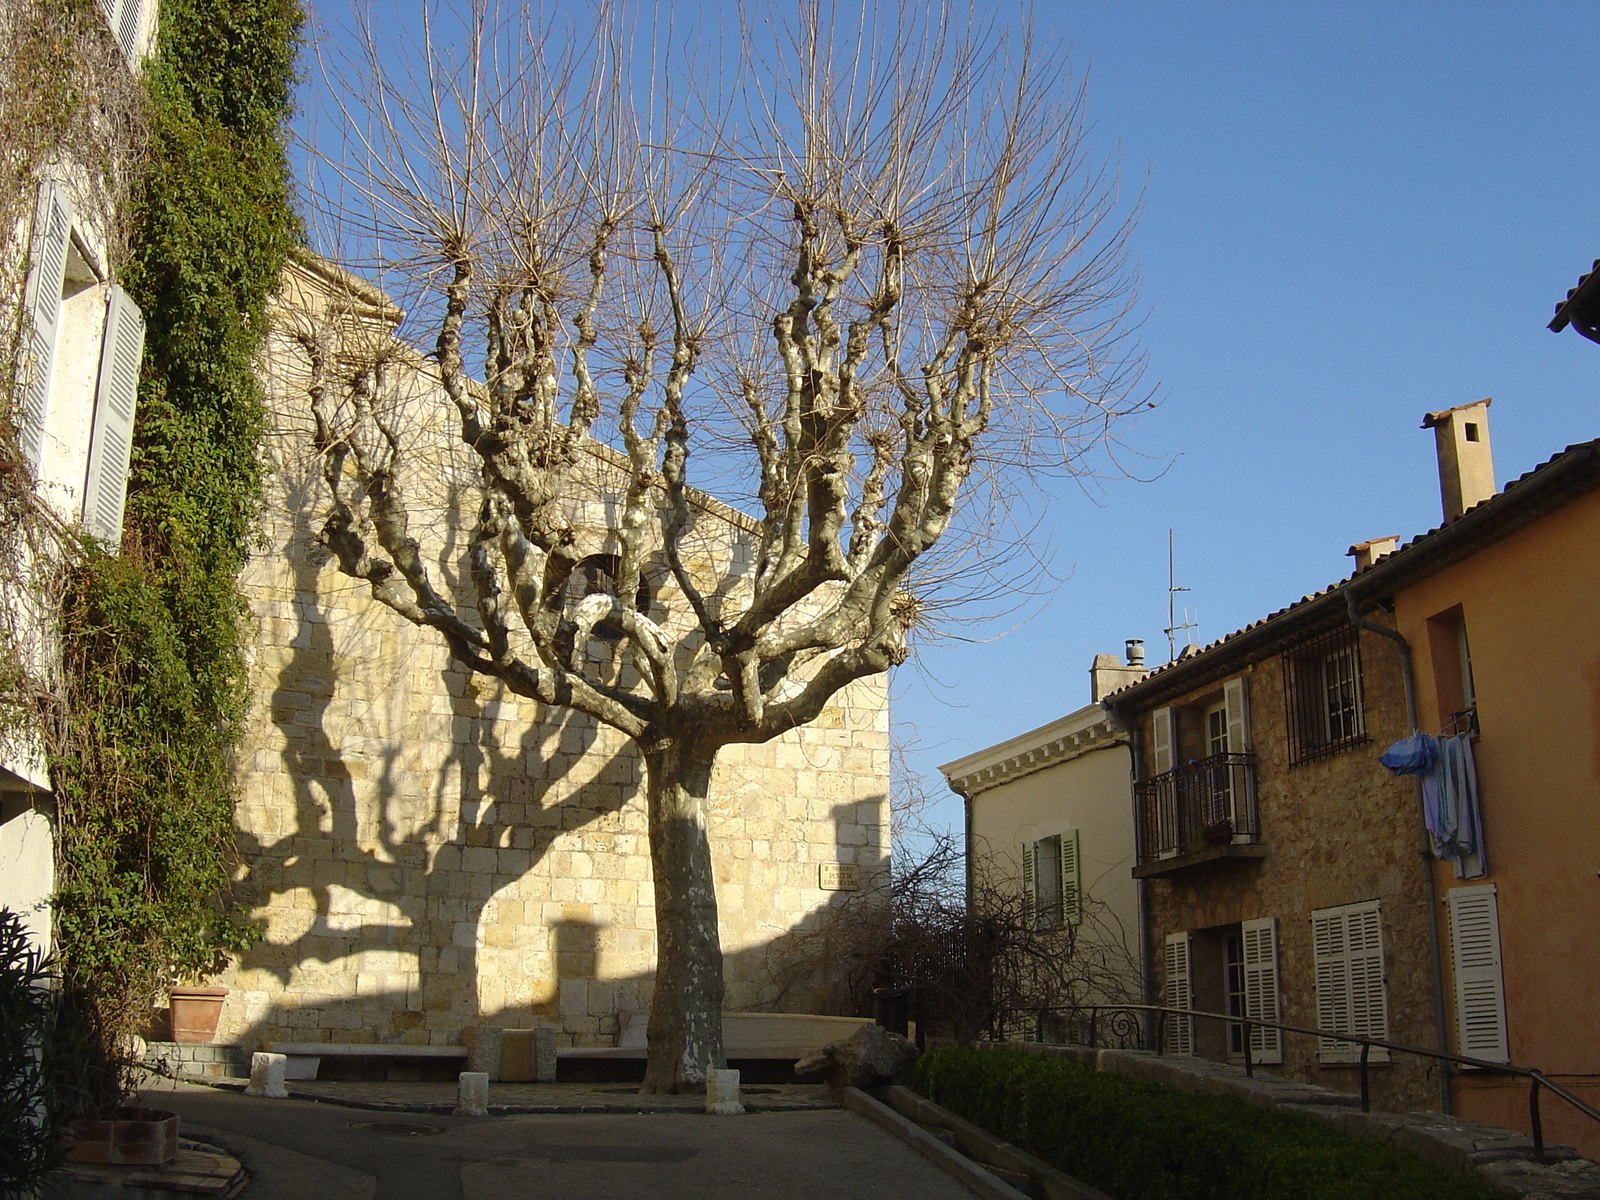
(1501, 609)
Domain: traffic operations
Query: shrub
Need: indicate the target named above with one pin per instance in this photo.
(1144, 1141)
(29, 1145)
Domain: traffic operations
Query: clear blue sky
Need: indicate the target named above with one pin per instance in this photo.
(1354, 212)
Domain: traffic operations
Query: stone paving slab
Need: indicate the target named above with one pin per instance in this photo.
(513, 1099)
(200, 1170)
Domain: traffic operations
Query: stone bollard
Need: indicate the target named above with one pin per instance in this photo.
(266, 1076)
(722, 1093)
(487, 1052)
(544, 1054)
(472, 1094)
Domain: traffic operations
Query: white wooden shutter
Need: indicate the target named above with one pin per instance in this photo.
(1236, 700)
(1352, 995)
(1475, 961)
(106, 485)
(1180, 1030)
(1161, 740)
(52, 234)
(127, 30)
(1260, 939)
(1030, 885)
(1071, 879)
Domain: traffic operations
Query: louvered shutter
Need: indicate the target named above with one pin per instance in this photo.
(1475, 961)
(1180, 1030)
(1030, 885)
(1347, 945)
(1071, 879)
(127, 29)
(1260, 939)
(1236, 700)
(106, 486)
(43, 306)
(1161, 740)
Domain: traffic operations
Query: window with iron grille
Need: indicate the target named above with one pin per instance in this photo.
(1322, 689)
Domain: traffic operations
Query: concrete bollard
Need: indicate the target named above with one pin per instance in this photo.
(722, 1093)
(472, 1094)
(487, 1050)
(266, 1076)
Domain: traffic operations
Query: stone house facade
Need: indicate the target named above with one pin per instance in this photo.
(1289, 876)
(1280, 861)
(425, 851)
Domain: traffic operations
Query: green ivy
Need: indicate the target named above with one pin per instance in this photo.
(154, 637)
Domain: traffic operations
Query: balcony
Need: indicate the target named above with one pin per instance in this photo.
(1196, 814)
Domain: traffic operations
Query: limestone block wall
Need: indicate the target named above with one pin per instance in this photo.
(425, 851)
(1339, 830)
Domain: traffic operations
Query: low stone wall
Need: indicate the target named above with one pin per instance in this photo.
(186, 1060)
(1501, 1156)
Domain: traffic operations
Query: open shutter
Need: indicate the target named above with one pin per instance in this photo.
(1030, 885)
(1260, 939)
(106, 486)
(1180, 1030)
(1236, 700)
(1475, 961)
(1071, 879)
(43, 306)
(127, 29)
(1161, 740)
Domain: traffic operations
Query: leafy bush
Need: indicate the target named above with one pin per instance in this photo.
(1143, 1141)
(29, 1145)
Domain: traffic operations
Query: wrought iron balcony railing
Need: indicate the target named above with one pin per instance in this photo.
(1210, 802)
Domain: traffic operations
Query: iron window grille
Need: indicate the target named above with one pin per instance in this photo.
(1323, 694)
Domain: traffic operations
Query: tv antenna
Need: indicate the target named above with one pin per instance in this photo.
(1173, 626)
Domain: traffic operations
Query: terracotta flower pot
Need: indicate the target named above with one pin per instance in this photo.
(136, 1137)
(194, 1012)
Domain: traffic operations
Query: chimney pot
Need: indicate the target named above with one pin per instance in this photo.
(1367, 553)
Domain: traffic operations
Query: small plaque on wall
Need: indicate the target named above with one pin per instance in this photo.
(840, 877)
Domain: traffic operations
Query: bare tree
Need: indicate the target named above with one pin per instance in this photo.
(860, 265)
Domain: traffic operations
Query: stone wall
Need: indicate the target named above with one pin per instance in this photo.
(425, 851)
(1337, 830)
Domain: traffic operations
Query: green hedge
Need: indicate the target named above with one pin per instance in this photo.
(1144, 1141)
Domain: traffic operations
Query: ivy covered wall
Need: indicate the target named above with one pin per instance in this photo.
(153, 638)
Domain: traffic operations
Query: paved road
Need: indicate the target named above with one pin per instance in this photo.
(303, 1150)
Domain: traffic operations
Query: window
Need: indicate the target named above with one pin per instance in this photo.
(1452, 673)
(1475, 963)
(1322, 691)
(85, 345)
(1052, 884)
(1352, 996)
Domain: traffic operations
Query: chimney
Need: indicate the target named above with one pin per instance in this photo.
(1107, 674)
(1466, 466)
(1367, 553)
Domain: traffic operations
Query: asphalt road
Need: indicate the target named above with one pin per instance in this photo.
(303, 1150)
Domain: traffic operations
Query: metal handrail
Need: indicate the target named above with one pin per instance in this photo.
(1536, 1079)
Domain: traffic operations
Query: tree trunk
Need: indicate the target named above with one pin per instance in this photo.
(685, 1031)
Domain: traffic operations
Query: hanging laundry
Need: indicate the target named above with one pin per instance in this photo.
(1449, 796)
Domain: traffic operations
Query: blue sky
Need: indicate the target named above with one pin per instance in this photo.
(1354, 213)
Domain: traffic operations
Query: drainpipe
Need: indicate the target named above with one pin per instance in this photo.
(1409, 678)
(966, 814)
(1147, 975)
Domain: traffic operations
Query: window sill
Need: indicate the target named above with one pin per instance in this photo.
(1197, 860)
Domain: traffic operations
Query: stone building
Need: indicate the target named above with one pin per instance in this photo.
(1289, 876)
(425, 851)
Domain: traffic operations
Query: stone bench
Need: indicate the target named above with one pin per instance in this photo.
(304, 1059)
(755, 1035)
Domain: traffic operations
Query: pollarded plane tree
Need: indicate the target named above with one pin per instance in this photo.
(859, 262)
